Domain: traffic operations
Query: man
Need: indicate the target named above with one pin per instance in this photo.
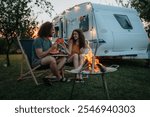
(42, 47)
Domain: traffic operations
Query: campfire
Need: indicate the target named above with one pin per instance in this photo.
(93, 66)
(92, 63)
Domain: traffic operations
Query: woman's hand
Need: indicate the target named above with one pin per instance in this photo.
(84, 50)
(66, 49)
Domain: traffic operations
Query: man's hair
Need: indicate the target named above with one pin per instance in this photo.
(45, 30)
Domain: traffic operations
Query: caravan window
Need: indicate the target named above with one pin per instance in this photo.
(84, 23)
(123, 21)
(61, 28)
(56, 32)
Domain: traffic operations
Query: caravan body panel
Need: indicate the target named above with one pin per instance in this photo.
(111, 30)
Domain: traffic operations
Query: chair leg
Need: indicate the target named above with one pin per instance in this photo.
(105, 86)
(33, 76)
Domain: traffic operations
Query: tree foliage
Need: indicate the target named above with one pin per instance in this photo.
(16, 17)
(143, 7)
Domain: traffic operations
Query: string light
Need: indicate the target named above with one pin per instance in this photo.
(88, 6)
(76, 8)
(93, 32)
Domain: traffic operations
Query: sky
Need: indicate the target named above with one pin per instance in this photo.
(61, 5)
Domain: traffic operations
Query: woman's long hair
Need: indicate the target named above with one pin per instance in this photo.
(81, 38)
(45, 30)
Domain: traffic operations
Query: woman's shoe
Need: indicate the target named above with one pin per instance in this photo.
(68, 80)
(63, 79)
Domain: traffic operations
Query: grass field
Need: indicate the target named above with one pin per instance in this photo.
(130, 82)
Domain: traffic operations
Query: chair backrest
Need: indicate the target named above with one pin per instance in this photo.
(27, 47)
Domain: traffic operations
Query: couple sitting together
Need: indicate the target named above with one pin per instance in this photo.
(42, 47)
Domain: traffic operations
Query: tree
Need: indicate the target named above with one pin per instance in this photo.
(143, 7)
(16, 19)
(123, 3)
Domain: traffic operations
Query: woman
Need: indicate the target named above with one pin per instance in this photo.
(78, 47)
(42, 47)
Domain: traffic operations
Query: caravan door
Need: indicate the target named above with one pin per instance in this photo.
(128, 34)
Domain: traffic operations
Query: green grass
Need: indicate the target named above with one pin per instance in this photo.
(130, 82)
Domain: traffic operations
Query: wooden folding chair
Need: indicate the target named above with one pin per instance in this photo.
(26, 49)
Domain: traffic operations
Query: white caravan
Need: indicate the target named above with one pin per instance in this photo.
(111, 30)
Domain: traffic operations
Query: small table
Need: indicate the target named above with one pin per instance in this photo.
(59, 55)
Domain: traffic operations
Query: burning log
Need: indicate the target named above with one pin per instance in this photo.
(102, 67)
(93, 63)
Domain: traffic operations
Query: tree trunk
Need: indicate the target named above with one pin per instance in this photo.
(7, 53)
(9, 43)
(7, 56)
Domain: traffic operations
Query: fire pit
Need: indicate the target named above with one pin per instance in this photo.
(102, 71)
(92, 66)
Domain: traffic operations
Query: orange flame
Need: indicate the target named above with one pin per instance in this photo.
(92, 60)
